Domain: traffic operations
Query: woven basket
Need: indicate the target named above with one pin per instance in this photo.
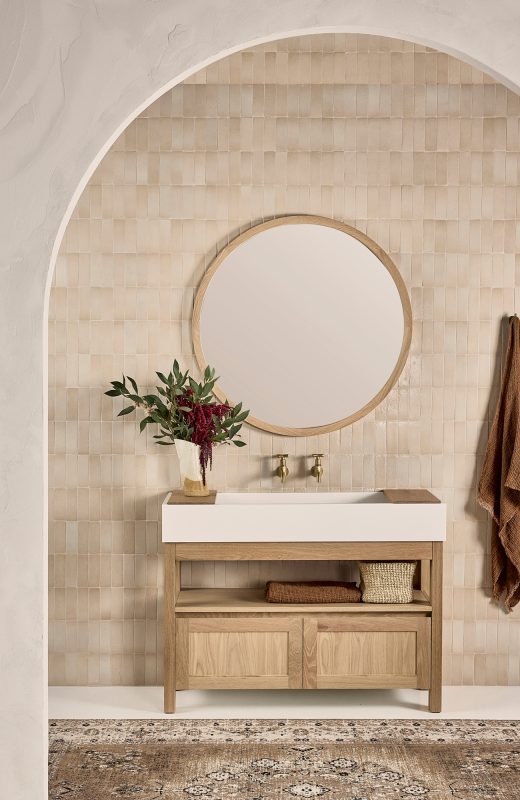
(387, 581)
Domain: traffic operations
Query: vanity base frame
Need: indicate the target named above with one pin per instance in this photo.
(233, 639)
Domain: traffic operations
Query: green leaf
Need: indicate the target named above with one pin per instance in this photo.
(165, 443)
(207, 388)
(239, 443)
(241, 417)
(126, 410)
(162, 378)
(150, 398)
(144, 422)
(134, 384)
(161, 407)
(113, 393)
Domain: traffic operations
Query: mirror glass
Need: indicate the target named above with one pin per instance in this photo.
(306, 321)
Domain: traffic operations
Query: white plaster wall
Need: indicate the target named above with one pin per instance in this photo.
(71, 76)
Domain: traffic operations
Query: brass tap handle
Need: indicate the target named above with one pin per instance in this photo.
(317, 468)
(282, 470)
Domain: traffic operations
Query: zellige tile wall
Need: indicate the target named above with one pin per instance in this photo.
(411, 146)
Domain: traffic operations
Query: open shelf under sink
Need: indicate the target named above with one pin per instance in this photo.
(208, 601)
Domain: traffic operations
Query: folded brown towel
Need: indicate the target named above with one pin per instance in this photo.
(311, 592)
(499, 487)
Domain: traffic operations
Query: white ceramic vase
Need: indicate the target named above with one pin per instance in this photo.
(191, 474)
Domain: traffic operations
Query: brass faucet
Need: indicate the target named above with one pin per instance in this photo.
(317, 469)
(282, 470)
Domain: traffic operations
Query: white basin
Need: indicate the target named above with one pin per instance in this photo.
(303, 517)
(296, 498)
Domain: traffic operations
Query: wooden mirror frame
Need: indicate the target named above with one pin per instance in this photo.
(384, 258)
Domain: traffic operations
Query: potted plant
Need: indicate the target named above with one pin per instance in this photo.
(188, 417)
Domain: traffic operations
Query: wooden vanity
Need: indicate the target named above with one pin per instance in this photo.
(233, 639)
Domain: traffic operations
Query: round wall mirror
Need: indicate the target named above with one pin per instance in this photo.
(306, 321)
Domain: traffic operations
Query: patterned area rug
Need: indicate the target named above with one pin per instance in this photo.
(265, 759)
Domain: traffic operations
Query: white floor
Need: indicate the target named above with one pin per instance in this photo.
(145, 702)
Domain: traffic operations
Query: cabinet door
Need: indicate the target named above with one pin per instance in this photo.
(239, 653)
(366, 652)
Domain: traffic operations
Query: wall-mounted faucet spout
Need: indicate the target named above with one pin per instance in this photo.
(317, 469)
(282, 470)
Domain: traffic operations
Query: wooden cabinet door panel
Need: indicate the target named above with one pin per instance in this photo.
(366, 653)
(239, 653)
(342, 652)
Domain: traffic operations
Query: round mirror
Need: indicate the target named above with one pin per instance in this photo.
(306, 321)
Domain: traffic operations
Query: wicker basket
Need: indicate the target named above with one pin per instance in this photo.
(387, 581)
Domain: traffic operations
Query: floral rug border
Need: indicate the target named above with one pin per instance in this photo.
(111, 731)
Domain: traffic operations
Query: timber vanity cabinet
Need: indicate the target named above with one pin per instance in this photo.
(233, 639)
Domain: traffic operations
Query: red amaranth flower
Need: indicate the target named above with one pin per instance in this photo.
(201, 418)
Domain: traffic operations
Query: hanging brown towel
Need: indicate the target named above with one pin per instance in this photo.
(312, 592)
(499, 487)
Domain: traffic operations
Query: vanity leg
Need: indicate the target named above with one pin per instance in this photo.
(425, 577)
(435, 693)
(170, 594)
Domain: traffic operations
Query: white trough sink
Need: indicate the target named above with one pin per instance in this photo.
(303, 517)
